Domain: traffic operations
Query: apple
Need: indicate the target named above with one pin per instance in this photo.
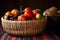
(21, 18)
(14, 11)
(5, 17)
(8, 13)
(38, 16)
(33, 18)
(35, 11)
(28, 14)
(28, 9)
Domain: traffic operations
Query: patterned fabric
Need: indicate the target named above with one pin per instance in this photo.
(45, 35)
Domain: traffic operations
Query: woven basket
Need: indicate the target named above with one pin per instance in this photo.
(24, 28)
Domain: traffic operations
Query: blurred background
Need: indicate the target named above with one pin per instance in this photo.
(7, 5)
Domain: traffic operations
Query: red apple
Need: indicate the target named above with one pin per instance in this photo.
(35, 11)
(21, 18)
(33, 18)
(28, 9)
(28, 14)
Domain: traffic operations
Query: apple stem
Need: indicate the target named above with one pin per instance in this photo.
(21, 8)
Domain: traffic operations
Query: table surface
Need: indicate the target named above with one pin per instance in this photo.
(45, 35)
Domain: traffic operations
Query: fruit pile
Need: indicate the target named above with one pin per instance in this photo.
(27, 14)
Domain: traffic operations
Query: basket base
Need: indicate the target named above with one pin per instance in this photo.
(14, 34)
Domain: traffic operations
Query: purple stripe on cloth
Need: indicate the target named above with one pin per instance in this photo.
(19, 38)
(1, 33)
(3, 36)
(27, 38)
(39, 37)
(44, 36)
(7, 37)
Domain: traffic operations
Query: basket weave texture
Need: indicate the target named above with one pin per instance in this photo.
(24, 27)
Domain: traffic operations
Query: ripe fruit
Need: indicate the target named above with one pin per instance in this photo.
(21, 18)
(34, 18)
(28, 9)
(28, 14)
(10, 17)
(35, 11)
(38, 16)
(16, 16)
(8, 13)
(14, 11)
(5, 17)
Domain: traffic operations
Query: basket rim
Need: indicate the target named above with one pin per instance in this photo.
(22, 21)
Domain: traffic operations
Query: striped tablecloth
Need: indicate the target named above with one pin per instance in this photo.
(45, 35)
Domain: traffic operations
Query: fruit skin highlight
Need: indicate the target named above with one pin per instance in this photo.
(35, 11)
(28, 14)
(5, 17)
(8, 13)
(38, 16)
(21, 18)
(28, 9)
(14, 11)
